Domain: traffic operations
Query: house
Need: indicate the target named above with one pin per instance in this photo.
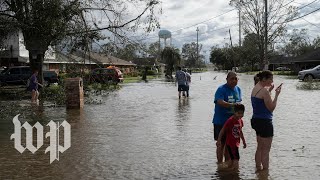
(280, 61)
(305, 61)
(88, 61)
(15, 53)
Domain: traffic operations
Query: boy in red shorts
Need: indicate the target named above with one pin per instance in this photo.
(233, 130)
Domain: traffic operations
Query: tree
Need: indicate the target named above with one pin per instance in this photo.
(4, 31)
(127, 53)
(47, 22)
(217, 56)
(171, 57)
(252, 16)
(298, 43)
(153, 49)
(249, 50)
(316, 42)
(41, 22)
(222, 57)
(189, 54)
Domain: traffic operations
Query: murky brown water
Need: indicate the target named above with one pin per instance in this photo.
(143, 131)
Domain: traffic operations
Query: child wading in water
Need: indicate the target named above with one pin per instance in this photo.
(232, 129)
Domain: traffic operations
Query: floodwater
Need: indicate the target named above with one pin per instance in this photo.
(143, 131)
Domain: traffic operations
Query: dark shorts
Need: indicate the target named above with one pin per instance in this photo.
(233, 152)
(216, 130)
(186, 88)
(181, 87)
(32, 88)
(263, 127)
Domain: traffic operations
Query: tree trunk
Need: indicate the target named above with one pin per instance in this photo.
(144, 76)
(36, 62)
(37, 48)
(261, 58)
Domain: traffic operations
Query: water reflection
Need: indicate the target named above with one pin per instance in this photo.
(183, 108)
(263, 175)
(227, 175)
(143, 131)
(74, 116)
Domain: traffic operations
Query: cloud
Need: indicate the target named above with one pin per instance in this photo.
(214, 18)
(176, 6)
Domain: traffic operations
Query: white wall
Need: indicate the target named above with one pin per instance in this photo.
(16, 40)
(23, 52)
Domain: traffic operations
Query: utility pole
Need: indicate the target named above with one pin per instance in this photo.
(239, 27)
(234, 61)
(230, 38)
(197, 44)
(265, 62)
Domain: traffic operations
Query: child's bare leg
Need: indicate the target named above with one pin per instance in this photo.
(230, 163)
(220, 151)
(235, 164)
(37, 96)
(226, 154)
(33, 96)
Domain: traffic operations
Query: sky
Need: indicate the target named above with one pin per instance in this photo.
(214, 18)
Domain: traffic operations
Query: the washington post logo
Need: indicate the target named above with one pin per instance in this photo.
(55, 148)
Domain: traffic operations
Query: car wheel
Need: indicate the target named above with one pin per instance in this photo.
(308, 77)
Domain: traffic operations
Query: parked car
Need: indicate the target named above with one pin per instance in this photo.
(309, 74)
(50, 77)
(105, 75)
(283, 69)
(19, 75)
(2, 69)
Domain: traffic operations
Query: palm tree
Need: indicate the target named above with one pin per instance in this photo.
(171, 57)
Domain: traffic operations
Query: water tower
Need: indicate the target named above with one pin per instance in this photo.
(164, 34)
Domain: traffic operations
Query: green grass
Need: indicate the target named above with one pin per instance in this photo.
(137, 79)
(252, 72)
(285, 73)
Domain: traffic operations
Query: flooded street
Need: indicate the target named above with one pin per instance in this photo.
(143, 131)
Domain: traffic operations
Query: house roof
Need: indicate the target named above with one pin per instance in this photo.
(94, 58)
(280, 59)
(107, 59)
(313, 56)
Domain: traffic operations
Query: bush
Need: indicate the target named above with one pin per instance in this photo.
(54, 93)
(311, 85)
(151, 72)
(132, 74)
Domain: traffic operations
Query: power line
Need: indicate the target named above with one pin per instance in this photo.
(311, 23)
(207, 33)
(307, 5)
(296, 28)
(299, 8)
(194, 24)
(303, 4)
(206, 20)
(303, 16)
